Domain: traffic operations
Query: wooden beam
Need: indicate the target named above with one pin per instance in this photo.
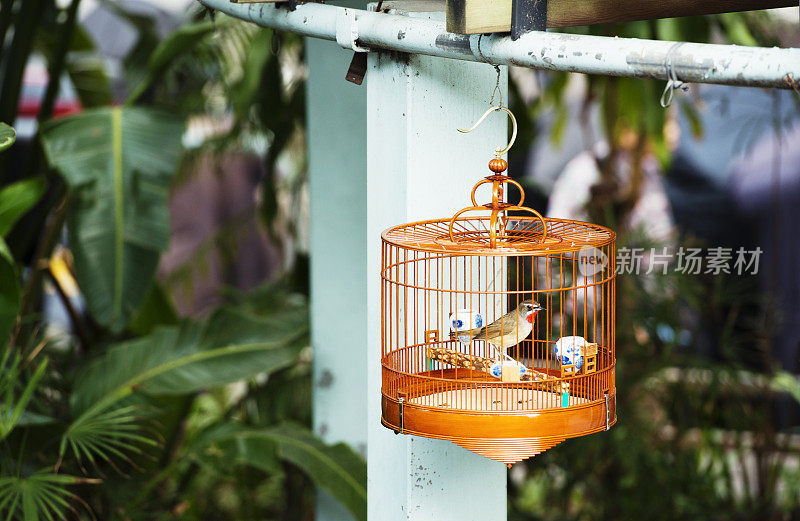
(492, 16)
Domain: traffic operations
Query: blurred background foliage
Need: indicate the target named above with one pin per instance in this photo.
(132, 388)
(132, 402)
(704, 430)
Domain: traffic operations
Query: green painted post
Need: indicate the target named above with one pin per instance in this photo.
(337, 140)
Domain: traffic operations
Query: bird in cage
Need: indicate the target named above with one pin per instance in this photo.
(508, 330)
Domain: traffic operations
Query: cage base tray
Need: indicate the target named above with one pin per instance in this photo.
(486, 416)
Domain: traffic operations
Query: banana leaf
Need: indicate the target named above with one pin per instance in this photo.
(118, 164)
(180, 360)
(174, 361)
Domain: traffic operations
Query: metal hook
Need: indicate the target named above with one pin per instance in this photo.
(498, 151)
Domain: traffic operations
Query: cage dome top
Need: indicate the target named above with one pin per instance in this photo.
(498, 233)
(517, 235)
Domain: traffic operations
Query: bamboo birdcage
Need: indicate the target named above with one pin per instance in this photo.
(506, 406)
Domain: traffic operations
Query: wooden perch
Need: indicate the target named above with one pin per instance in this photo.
(457, 359)
(478, 363)
(490, 16)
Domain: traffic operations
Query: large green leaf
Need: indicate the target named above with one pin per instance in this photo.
(228, 444)
(118, 164)
(9, 292)
(16, 199)
(233, 344)
(335, 468)
(7, 136)
(87, 71)
(177, 360)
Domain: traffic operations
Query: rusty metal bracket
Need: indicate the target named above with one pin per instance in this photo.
(357, 69)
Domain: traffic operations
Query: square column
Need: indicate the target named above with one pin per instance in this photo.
(420, 167)
(337, 140)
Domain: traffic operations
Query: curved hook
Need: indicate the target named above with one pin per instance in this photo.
(498, 151)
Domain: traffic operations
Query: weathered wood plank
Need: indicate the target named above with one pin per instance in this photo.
(490, 16)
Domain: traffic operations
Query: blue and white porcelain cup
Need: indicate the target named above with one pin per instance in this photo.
(465, 319)
(569, 350)
(497, 368)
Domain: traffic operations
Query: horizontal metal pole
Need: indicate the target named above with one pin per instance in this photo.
(628, 57)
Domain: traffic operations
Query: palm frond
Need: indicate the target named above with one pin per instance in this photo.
(107, 436)
(13, 404)
(42, 495)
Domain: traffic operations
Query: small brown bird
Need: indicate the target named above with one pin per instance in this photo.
(508, 330)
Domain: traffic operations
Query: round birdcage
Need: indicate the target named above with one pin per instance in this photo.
(498, 330)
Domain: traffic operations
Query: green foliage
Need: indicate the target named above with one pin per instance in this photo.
(10, 296)
(168, 417)
(118, 163)
(7, 136)
(156, 310)
(16, 199)
(105, 436)
(164, 55)
(335, 468)
(12, 407)
(788, 383)
(140, 401)
(42, 495)
(178, 360)
(121, 401)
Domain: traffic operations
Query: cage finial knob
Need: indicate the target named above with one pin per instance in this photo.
(498, 165)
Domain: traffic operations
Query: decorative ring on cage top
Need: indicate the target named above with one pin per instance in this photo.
(498, 234)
